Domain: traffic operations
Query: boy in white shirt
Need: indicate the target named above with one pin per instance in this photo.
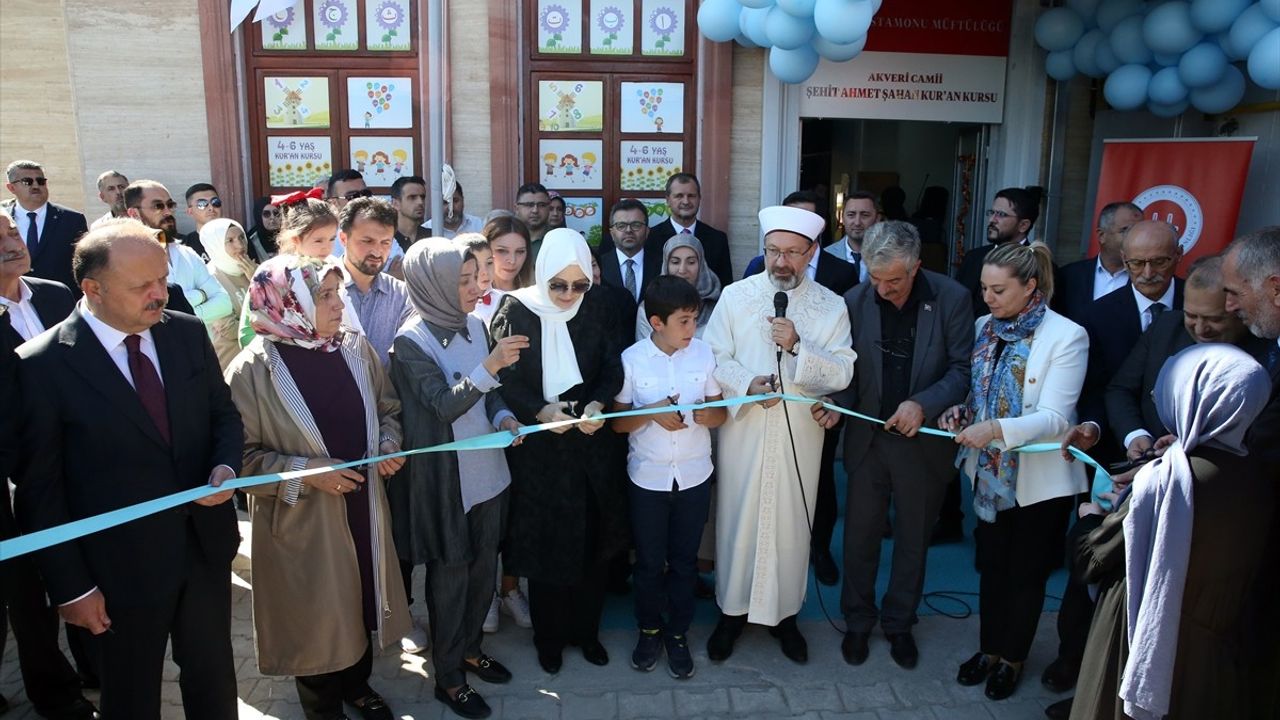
(669, 463)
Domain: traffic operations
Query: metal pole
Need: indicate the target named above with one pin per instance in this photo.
(435, 111)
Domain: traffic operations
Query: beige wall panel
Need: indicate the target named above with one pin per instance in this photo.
(469, 76)
(744, 158)
(37, 120)
(136, 72)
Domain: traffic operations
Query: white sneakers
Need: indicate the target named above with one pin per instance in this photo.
(516, 605)
(417, 641)
(491, 619)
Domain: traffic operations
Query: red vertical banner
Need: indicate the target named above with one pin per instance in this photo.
(1195, 184)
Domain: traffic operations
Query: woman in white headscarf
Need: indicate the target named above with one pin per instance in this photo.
(1177, 559)
(568, 513)
(230, 264)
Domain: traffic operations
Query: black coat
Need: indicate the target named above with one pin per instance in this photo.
(970, 276)
(9, 421)
(52, 301)
(1128, 394)
(62, 230)
(1073, 291)
(82, 419)
(832, 273)
(715, 246)
(563, 486)
(611, 270)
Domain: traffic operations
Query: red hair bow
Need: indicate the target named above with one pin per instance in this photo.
(297, 197)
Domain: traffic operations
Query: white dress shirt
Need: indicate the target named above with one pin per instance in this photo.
(657, 457)
(693, 229)
(1145, 303)
(811, 270)
(23, 314)
(638, 259)
(1105, 281)
(113, 342)
(863, 274)
(23, 222)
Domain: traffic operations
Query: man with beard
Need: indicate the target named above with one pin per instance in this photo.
(367, 227)
(49, 230)
(409, 198)
(770, 450)
(149, 202)
(111, 185)
(858, 215)
(346, 186)
(456, 219)
(1012, 215)
(533, 207)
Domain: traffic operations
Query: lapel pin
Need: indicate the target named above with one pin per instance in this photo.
(928, 307)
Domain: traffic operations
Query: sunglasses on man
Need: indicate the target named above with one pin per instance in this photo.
(205, 204)
(29, 181)
(354, 194)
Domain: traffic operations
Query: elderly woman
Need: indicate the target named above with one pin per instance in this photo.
(683, 257)
(568, 504)
(1177, 560)
(325, 576)
(231, 265)
(1028, 366)
(449, 509)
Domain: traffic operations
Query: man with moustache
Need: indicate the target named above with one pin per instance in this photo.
(766, 491)
(1013, 213)
(856, 217)
(457, 220)
(409, 198)
(111, 185)
(346, 186)
(149, 202)
(124, 402)
(49, 230)
(367, 227)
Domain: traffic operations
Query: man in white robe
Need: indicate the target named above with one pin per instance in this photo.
(766, 492)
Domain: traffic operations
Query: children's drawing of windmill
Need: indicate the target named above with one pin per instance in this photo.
(291, 108)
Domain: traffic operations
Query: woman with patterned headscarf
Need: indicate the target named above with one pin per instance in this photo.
(313, 394)
(683, 257)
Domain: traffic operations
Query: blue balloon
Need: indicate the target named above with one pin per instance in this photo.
(1111, 13)
(840, 53)
(1264, 61)
(1214, 16)
(1247, 30)
(1168, 111)
(1168, 29)
(1126, 88)
(1085, 52)
(799, 8)
(1202, 65)
(745, 41)
(1127, 43)
(1105, 59)
(751, 22)
(756, 3)
(1223, 96)
(1086, 9)
(843, 21)
(1060, 66)
(787, 31)
(1058, 29)
(793, 66)
(1271, 8)
(1166, 60)
(1166, 87)
(718, 19)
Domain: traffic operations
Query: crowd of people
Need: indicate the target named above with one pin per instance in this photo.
(339, 329)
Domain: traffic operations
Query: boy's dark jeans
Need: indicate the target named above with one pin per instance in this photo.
(667, 528)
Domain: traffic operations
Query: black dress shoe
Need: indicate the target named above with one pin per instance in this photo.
(793, 643)
(975, 670)
(854, 647)
(1002, 681)
(467, 704)
(550, 660)
(1060, 710)
(824, 567)
(373, 707)
(488, 670)
(594, 653)
(720, 644)
(902, 648)
(1060, 676)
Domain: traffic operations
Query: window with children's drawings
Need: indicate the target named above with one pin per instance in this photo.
(334, 84)
(611, 99)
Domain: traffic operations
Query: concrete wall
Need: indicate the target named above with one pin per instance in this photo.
(468, 69)
(37, 111)
(744, 156)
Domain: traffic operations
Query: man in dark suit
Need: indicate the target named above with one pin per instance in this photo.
(839, 277)
(34, 304)
(1013, 213)
(629, 264)
(859, 215)
(123, 403)
(913, 332)
(684, 198)
(1081, 282)
(49, 230)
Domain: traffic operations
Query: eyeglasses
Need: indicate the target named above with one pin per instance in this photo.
(559, 286)
(354, 194)
(33, 181)
(633, 226)
(159, 205)
(773, 253)
(203, 204)
(1000, 214)
(533, 205)
(1159, 264)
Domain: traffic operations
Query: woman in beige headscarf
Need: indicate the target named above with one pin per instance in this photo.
(231, 266)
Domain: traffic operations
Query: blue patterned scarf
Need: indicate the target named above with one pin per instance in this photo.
(997, 393)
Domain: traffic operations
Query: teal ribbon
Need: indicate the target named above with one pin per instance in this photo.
(49, 537)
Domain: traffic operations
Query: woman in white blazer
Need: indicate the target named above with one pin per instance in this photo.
(1028, 367)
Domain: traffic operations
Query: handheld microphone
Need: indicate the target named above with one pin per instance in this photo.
(780, 311)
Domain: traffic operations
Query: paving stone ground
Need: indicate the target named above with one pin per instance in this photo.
(757, 683)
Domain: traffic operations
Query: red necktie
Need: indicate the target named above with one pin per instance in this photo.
(147, 382)
(486, 298)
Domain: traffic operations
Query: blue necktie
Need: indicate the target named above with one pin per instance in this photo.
(33, 234)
